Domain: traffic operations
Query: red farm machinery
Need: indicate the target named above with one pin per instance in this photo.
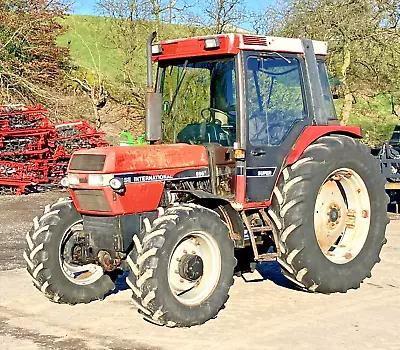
(246, 155)
(35, 152)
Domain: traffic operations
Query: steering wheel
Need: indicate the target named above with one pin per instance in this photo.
(212, 111)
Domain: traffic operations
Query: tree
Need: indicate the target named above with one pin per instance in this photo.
(131, 21)
(29, 56)
(223, 15)
(363, 37)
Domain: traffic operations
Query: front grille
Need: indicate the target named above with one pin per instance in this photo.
(92, 200)
(87, 162)
(101, 224)
(254, 40)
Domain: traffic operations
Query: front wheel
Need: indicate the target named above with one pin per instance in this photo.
(182, 268)
(49, 254)
(329, 210)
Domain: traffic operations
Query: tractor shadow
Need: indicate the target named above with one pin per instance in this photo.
(271, 271)
(120, 284)
(266, 271)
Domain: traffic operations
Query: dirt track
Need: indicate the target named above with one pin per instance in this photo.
(258, 315)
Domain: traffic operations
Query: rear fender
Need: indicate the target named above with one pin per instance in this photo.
(312, 133)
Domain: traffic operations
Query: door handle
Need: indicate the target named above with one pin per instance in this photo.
(258, 152)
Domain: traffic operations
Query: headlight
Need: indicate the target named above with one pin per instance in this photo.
(73, 179)
(95, 180)
(117, 184)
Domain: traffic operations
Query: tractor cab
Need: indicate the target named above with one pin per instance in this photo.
(208, 83)
(252, 93)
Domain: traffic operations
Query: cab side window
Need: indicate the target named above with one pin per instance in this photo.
(274, 98)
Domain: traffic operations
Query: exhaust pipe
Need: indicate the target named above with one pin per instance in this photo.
(153, 99)
(149, 61)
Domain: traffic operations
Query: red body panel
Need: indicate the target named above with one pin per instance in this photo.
(193, 47)
(312, 133)
(145, 160)
(231, 44)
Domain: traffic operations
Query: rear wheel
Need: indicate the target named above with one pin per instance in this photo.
(182, 268)
(329, 209)
(49, 257)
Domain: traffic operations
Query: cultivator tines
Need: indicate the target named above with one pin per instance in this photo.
(18, 117)
(33, 152)
(77, 135)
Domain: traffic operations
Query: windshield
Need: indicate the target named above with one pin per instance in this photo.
(199, 101)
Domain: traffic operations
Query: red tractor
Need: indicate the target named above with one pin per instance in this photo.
(246, 154)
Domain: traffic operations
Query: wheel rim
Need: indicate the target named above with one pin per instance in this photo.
(200, 251)
(77, 274)
(342, 216)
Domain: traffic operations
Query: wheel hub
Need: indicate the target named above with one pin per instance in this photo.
(194, 267)
(191, 267)
(334, 214)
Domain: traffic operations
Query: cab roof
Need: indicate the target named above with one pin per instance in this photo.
(231, 44)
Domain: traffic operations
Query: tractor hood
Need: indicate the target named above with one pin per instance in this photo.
(151, 158)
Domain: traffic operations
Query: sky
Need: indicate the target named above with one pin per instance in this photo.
(88, 7)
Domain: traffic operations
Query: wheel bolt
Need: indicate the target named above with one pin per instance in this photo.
(176, 271)
(178, 259)
(181, 280)
(193, 252)
(185, 251)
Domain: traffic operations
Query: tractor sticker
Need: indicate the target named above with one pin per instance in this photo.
(260, 172)
(189, 174)
(183, 175)
(135, 178)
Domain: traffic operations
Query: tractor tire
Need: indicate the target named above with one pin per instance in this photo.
(57, 280)
(173, 284)
(330, 211)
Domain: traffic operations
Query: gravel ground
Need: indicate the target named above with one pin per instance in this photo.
(16, 215)
(266, 314)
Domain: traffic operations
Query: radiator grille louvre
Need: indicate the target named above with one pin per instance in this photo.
(87, 162)
(254, 40)
(92, 200)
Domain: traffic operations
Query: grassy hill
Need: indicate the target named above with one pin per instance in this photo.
(91, 46)
(92, 49)
(375, 117)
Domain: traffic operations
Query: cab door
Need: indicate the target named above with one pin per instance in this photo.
(276, 114)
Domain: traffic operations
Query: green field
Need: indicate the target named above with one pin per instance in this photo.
(93, 50)
(374, 115)
(91, 47)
